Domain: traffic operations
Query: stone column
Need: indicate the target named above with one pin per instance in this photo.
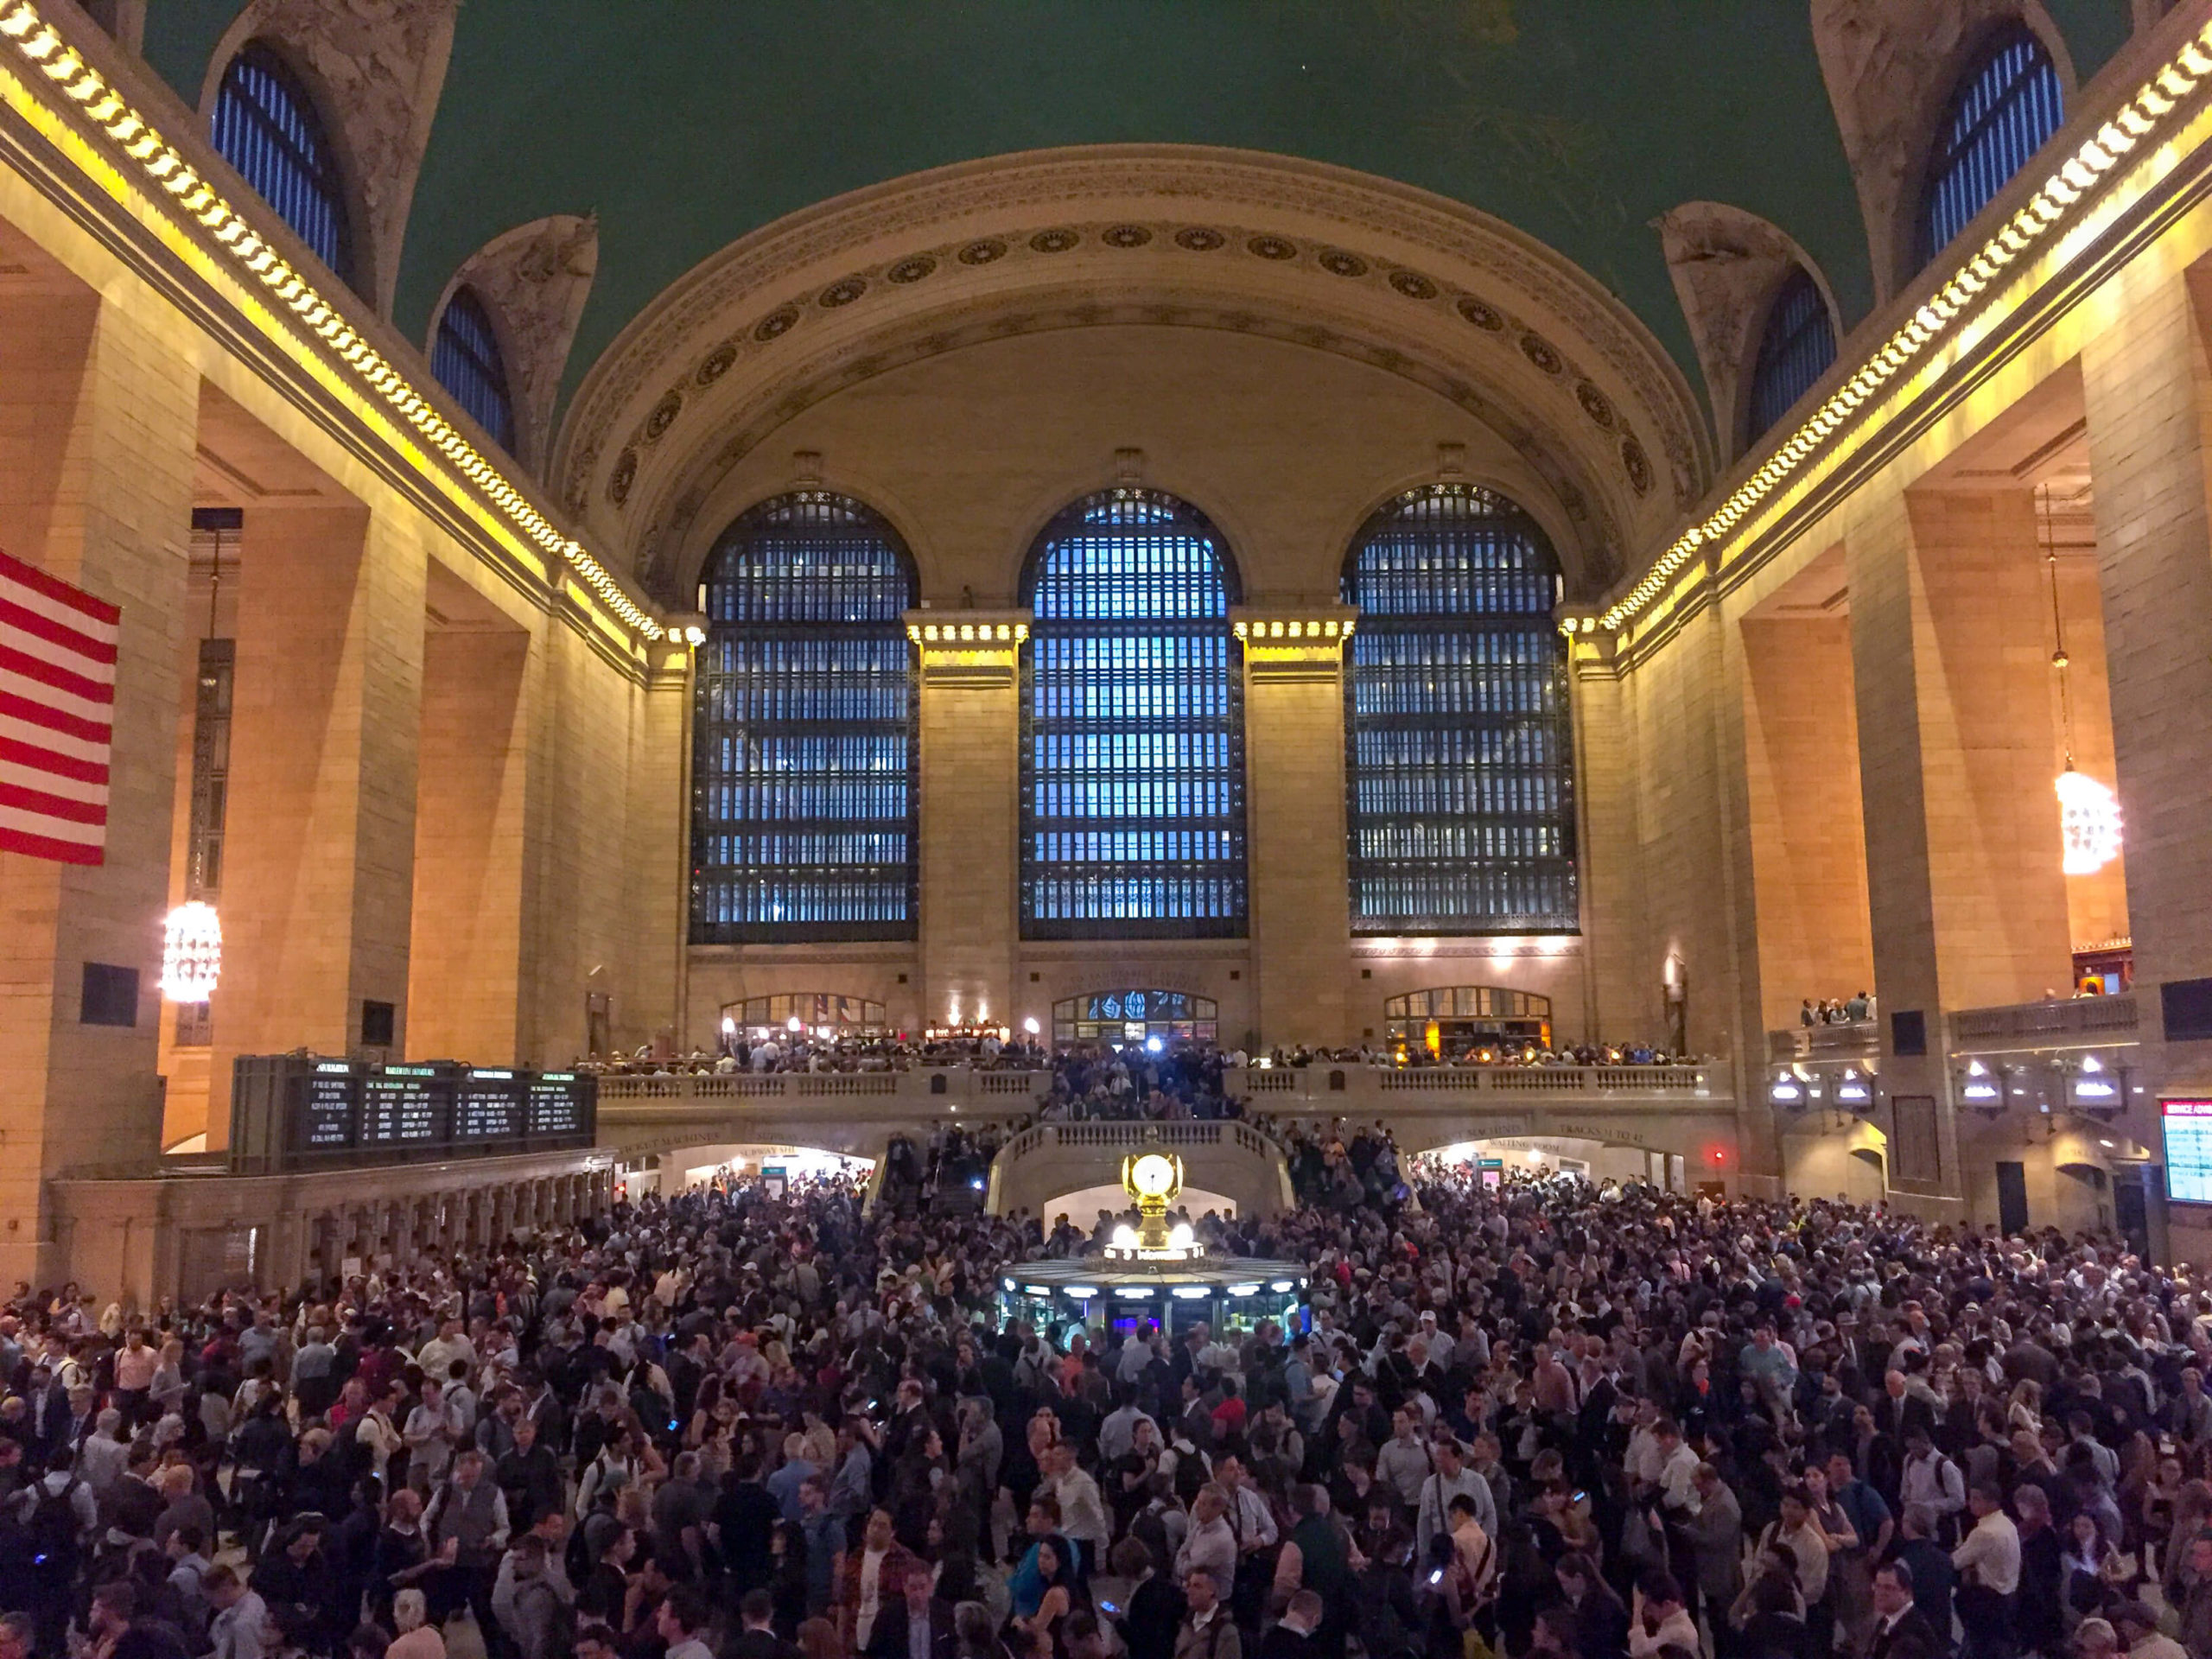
(98, 413)
(1294, 818)
(656, 861)
(320, 839)
(2148, 395)
(464, 987)
(2148, 398)
(971, 689)
(1951, 676)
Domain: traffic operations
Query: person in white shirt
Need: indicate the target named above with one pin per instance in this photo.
(1988, 1563)
(1658, 1619)
(1083, 1511)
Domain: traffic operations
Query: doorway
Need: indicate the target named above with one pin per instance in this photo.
(2011, 1199)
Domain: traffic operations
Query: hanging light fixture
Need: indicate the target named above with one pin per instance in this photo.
(2088, 812)
(192, 952)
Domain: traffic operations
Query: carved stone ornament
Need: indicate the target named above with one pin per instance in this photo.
(533, 281)
(1891, 66)
(1727, 265)
(375, 68)
(1178, 236)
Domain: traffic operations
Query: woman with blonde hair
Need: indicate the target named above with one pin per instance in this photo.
(417, 1639)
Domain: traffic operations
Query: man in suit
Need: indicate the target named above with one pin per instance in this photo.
(918, 1625)
(758, 1639)
(1901, 1630)
(1903, 1409)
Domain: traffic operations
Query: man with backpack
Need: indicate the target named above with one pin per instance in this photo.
(57, 1514)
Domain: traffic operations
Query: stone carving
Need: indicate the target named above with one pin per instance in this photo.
(1327, 206)
(1726, 266)
(376, 68)
(1889, 66)
(533, 281)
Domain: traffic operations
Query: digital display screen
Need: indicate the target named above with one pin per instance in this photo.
(302, 1108)
(557, 1105)
(2189, 1150)
(489, 1107)
(330, 1104)
(404, 1104)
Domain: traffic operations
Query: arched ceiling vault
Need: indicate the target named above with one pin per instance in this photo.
(1420, 287)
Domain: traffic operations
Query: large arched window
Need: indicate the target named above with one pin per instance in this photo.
(466, 360)
(1461, 786)
(266, 126)
(1132, 726)
(1795, 348)
(2006, 105)
(803, 794)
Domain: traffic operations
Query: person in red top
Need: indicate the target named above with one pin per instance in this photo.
(1229, 1415)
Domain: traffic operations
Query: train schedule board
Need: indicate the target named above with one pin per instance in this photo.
(407, 1107)
(2189, 1150)
(490, 1104)
(562, 1105)
(326, 1107)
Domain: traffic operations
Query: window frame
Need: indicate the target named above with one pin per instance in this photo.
(491, 380)
(1045, 630)
(1946, 150)
(708, 729)
(1773, 357)
(1469, 726)
(321, 170)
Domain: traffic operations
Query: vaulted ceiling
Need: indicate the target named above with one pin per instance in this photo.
(684, 124)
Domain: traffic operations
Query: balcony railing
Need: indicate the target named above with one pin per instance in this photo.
(1364, 1090)
(2075, 1022)
(1855, 1040)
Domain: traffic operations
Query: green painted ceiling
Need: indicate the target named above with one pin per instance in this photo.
(684, 124)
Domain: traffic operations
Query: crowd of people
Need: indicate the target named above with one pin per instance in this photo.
(1541, 1418)
(1855, 1009)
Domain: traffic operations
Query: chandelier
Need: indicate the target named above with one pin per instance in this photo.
(192, 952)
(2088, 812)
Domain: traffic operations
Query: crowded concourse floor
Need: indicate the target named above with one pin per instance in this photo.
(1543, 1417)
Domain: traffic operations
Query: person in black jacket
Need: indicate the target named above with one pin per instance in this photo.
(1155, 1607)
(1901, 1630)
(894, 1633)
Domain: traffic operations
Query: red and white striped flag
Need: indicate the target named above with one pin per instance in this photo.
(57, 715)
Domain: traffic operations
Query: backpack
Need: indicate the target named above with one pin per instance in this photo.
(53, 1527)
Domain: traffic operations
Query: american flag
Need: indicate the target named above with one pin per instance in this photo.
(57, 715)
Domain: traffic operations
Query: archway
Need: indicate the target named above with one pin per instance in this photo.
(1134, 1015)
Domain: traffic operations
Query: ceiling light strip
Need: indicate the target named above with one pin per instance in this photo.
(133, 138)
(2139, 119)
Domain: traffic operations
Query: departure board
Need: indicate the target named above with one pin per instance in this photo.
(489, 1106)
(405, 1105)
(302, 1111)
(559, 1103)
(330, 1105)
(2189, 1150)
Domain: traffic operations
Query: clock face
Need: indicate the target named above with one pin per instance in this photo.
(1153, 1175)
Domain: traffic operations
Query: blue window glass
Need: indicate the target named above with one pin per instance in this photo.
(802, 790)
(1795, 349)
(2006, 105)
(1133, 727)
(1460, 756)
(466, 360)
(266, 127)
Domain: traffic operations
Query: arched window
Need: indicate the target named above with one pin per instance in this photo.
(466, 361)
(2006, 105)
(1795, 349)
(803, 794)
(1132, 726)
(266, 127)
(1460, 754)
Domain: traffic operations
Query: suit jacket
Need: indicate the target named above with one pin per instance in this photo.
(890, 1639)
(1910, 1637)
(760, 1645)
(1897, 1418)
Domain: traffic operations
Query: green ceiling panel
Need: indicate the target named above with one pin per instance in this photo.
(684, 124)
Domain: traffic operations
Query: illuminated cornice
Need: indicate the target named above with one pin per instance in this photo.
(145, 170)
(2149, 115)
(972, 651)
(1253, 630)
